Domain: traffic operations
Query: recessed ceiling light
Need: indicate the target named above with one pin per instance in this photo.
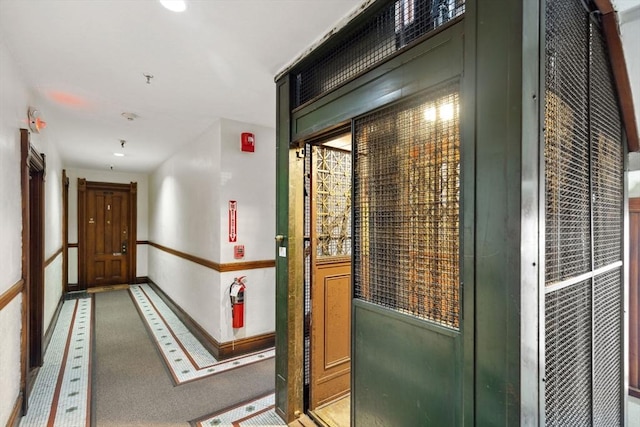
(118, 154)
(174, 5)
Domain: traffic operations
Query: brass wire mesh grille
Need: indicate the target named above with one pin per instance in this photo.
(388, 31)
(568, 356)
(584, 223)
(607, 344)
(333, 201)
(407, 196)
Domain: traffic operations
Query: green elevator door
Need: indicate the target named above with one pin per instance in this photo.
(407, 333)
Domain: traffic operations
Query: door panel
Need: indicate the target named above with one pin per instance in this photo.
(107, 228)
(331, 332)
(331, 286)
(407, 328)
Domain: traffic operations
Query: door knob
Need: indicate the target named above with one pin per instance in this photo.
(280, 238)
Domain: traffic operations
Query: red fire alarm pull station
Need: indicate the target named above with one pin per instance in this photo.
(238, 251)
(248, 142)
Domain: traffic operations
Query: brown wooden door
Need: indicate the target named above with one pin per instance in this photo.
(634, 297)
(106, 221)
(331, 290)
(331, 332)
(107, 241)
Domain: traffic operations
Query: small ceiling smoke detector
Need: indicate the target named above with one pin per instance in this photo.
(174, 5)
(130, 116)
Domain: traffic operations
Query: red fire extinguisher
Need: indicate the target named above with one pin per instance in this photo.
(236, 294)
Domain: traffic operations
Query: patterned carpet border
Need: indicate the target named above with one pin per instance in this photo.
(61, 395)
(185, 357)
(256, 412)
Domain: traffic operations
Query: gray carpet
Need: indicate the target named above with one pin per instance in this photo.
(131, 386)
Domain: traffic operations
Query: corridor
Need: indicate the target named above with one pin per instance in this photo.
(123, 358)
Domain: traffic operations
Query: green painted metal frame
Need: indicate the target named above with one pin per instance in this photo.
(494, 52)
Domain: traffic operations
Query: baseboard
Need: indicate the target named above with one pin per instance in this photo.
(16, 413)
(143, 279)
(73, 287)
(634, 392)
(219, 350)
(246, 345)
(52, 324)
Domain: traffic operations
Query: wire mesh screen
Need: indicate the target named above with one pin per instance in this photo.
(407, 196)
(607, 344)
(566, 150)
(385, 33)
(307, 263)
(608, 162)
(568, 356)
(584, 194)
(332, 188)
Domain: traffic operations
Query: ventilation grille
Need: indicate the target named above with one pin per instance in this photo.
(384, 34)
(568, 356)
(607, 355)
(407, 196)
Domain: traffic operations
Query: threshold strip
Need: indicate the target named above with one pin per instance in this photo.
(185, 357)
(257, 412)
(61, 394)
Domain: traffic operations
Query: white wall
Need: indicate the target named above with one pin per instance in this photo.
(15, 99)
(13, 106)
(189, 196)
(634, 183)
(249, 179)
(53, 287)
(142, 208)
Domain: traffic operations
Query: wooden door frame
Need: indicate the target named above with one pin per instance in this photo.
(32, 334)
(83, 187)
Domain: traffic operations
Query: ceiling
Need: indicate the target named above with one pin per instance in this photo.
(85, 62)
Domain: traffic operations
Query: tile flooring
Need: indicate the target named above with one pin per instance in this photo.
(184, 355)
(60, 395)
(257, 412)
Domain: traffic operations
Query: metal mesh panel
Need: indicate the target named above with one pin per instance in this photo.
(607, 353)
(584, 222)
(333, 201)
(566, 151)
(568, 356)
(307, 263)
(385, 33)
(407, 194)
(607, 153)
